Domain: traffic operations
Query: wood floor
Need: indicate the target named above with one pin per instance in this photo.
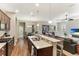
(20, 49)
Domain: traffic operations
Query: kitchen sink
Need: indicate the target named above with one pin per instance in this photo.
(35, 39)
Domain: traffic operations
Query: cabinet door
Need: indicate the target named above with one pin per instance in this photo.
(0, 16)
(2, 24)
(4, 21)
(0, 52)
(7, 23)
(29, 46)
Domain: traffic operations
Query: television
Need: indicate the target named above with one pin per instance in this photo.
(74, 30)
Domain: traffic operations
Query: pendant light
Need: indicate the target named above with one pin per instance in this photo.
(66, 19)
(37, 25)
(50, 11)
(37, 13)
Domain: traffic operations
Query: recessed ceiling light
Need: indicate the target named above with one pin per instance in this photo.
(37, 24)
(17, 11)
(37, 4)
(31, 13)
(50, 22)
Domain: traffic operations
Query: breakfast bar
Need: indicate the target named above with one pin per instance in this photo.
(42, 44)
(54, 43)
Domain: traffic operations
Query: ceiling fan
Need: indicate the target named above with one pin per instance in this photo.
(68, 19)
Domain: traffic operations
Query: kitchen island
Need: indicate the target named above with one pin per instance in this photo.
(41, 47)
(44, 44)
(55, 42)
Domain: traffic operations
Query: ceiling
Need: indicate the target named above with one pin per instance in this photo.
(44, 12)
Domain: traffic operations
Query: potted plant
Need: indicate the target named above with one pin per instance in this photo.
(65, 34)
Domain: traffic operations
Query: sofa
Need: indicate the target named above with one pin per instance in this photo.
(70, 45)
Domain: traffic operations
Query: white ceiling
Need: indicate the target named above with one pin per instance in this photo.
(44, 10)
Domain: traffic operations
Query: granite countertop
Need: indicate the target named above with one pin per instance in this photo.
(39, 44)
(1, 35)
(54, 40)
(2, 44)
(8, 37)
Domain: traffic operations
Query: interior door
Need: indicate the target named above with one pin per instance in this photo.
(21, 29)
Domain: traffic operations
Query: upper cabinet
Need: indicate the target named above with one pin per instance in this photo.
(4, 21)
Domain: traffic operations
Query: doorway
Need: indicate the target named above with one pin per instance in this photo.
(45, 29)
(21, 30)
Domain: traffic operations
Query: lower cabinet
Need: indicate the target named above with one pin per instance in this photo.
(77, 49)
(48, 51)
(29, 47)
(3, 51)
(43, 52)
